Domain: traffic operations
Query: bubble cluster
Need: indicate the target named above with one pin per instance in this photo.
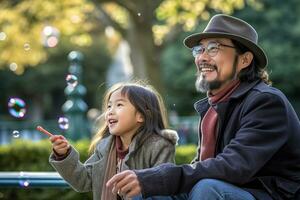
(16, 107)
(63, 123)
(72, 80)
(50, 36)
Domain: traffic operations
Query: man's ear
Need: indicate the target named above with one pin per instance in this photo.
(245, 59)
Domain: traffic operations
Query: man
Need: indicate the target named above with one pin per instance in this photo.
(249, 132)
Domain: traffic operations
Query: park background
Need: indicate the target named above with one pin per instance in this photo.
(106, 41)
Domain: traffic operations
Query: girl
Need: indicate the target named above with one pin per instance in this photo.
(132, 137)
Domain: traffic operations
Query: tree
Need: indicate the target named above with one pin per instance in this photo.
(279, 31)
(151, 23)
(22, 40)
(144, 24)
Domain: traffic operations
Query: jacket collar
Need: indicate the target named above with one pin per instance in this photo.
(202, 105)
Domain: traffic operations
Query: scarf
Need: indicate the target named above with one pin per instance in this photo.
(209, 122)
(114, 165)
(110, 171)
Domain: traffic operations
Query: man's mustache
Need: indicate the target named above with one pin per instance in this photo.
(202, 65)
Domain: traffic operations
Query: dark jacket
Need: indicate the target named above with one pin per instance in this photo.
(257, 147)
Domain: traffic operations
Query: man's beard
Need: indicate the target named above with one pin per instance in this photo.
(202, 85)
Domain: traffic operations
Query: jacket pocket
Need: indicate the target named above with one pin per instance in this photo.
(280, 188)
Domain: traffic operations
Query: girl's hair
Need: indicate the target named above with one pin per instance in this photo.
(145, 99)
(252, 72)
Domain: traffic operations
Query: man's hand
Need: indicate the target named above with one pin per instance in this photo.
(125, 183)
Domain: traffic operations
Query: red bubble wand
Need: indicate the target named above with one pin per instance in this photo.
(41, 129)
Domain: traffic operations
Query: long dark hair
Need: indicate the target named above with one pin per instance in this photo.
(252, 72)
(146, 101)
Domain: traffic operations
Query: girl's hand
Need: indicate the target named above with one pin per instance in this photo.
(59, 144)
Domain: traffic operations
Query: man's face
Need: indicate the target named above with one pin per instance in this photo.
(215, 71)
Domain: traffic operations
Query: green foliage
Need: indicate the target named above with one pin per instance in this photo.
(25, 156)
(33, 156)
(278, 29)
(23, 23)
(179, 75)
(185, 154)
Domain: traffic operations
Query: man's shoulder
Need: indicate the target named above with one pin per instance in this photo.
(264, 89)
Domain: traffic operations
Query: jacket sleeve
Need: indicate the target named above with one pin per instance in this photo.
(263, 129)
(77, 174)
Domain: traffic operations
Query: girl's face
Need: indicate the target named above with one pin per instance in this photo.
(121, 116)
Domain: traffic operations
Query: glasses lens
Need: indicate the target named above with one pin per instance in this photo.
(197, 50)
(212, 48)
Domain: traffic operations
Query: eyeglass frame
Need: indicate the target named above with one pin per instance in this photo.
(197, 52)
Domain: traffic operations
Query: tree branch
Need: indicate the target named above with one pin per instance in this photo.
(107, 20)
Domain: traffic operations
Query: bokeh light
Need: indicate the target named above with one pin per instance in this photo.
(13, 66)
(50, 36)
(2, 36)
(16, 107)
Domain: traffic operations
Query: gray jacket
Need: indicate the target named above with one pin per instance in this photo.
(145, 151)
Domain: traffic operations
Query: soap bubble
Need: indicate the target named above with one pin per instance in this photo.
(24, 183)
(72, 80)
(16, 134)
(27, 47)
(16, 107)
(63, 123)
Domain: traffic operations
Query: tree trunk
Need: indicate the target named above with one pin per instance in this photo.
(144, 54)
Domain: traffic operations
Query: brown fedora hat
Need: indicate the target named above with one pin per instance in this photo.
(225, 26)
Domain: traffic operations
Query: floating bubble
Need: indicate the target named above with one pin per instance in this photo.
(16, 107)
(16, 134)
(24, 183)
(63, 123)
(71, 80)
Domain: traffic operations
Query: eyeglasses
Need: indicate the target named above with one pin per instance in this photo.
(211, 49)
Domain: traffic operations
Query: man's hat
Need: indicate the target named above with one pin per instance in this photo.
(225, 26)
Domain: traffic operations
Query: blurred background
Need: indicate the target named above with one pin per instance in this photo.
(57, 57)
